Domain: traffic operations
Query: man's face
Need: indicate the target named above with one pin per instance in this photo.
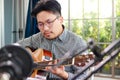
(49, 24)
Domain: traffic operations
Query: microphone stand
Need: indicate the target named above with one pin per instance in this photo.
(106, 51)
(101, 64)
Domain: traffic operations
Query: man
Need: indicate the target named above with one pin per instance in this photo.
(54, 37)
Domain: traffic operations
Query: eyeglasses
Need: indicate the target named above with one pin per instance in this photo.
(48, 23)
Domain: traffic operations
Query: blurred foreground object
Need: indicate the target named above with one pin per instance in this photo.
(15, 63)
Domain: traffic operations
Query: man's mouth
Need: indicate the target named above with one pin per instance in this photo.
(47, 33)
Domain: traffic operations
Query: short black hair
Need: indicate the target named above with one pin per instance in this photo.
(46, 5)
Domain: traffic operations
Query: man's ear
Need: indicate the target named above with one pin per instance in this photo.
(61, 19)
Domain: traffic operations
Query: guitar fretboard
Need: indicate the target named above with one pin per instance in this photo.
(78, 61)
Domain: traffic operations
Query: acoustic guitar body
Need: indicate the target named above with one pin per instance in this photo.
(40, 55)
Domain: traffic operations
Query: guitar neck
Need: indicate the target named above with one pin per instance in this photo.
(78, 61)
(43, 64)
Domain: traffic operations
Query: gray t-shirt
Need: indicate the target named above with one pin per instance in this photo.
(67, 41)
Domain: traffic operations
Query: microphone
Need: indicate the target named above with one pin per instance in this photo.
(15, 63)
(95, 49)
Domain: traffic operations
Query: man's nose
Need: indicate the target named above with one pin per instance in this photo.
(46, 27)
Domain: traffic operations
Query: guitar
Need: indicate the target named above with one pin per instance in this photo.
(39, 55)
(42, 58)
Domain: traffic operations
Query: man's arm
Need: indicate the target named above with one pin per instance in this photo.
(58, 70)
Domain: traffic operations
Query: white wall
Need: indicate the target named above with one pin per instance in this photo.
(1, 23)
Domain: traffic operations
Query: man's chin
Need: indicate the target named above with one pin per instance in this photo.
(49, 37)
